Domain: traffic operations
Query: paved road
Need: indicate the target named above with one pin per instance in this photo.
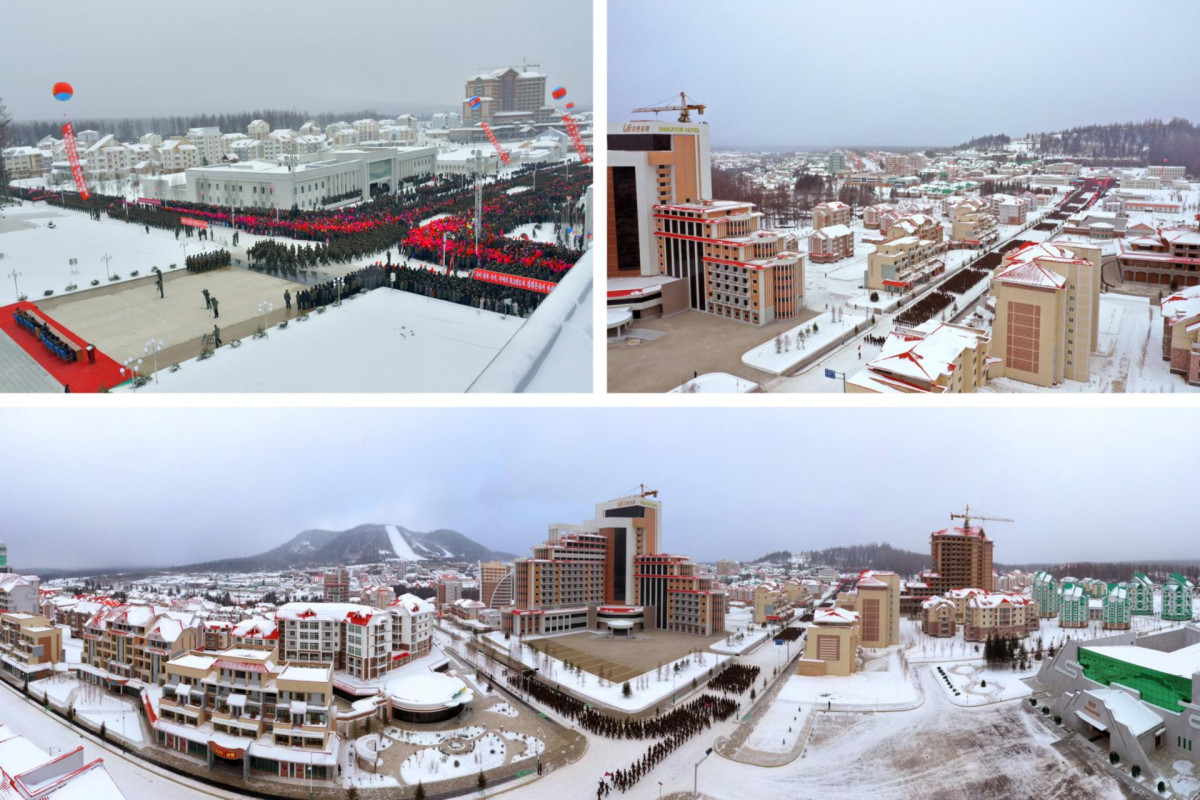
(136, 779)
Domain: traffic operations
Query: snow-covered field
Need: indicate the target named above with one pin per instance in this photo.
(609, 693)
(738, 642)
(120, 715)
(978, 685)
(42, 255)
(60, 689)
(715, 382)
(383, 341)
(400, 544)
(778, 730)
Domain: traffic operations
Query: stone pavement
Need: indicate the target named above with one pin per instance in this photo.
(19, 372)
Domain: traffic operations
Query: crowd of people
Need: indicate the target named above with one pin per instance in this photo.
(875, 340)
(365, 279)
(735, 679)
(47, 336)
(205, 262)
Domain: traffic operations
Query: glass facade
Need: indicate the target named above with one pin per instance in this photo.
(1158, 688)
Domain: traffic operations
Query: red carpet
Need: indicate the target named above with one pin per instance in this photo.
(79, 375)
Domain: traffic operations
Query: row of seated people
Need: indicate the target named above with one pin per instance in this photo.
(43, 331)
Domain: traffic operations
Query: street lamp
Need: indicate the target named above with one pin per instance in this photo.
(152, 347)
(265, 308)
(107, 258)
(133, 366)
(14, 275)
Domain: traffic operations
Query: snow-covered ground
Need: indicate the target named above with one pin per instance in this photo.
(882, 685)
(119, 714)
(60, 689)
(973, 684)
(779, 354)
(503, 708)
(42, 255)
(400, 544)
(433, 737)
(609, 693)
(431, 764)
(715, 382)
(738, 642)
(383, 341)
(778, 730)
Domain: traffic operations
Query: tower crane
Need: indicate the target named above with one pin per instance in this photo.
(966, 516)
(684, 108)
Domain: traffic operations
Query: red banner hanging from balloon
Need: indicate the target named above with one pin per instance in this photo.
(73, 157)
(573, 130)
(488, 130)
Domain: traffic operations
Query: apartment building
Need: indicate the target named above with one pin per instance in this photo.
(1117, 614)
(1065, 168)
(934, 358)
(1167, 171)
(972, 220)
(832, 213)
(937, 617)
(242, 710)
(210, 145)
(1072, 606)
(1140, 590)
(107, 159)
(258, 129)
(30, 645)
(831, 243)
(1046, 594)
(911, 253)
(177, 154)
(566, 570)
(24, 162)
(1047, 307)
(962, 557)
(255, 633)
(503, 90)
(1170, 256)
(348, 636)
(1012, 210)
(215, 635)
(367, 129)
(20, 593)
(1177, 593)
(873, 214)
(449, 591)
(130, 642)
(496, 582)
(990, 614)
(412, 626)
(336, 585)
(772, 606)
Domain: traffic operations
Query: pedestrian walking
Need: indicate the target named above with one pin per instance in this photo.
(207, 299)
(147, 229)
(287, 299)
(158, 281)
(216, 311)
(217, 336)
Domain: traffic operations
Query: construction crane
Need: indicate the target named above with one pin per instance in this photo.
(966, 516)
(648, 492)
(684, 108)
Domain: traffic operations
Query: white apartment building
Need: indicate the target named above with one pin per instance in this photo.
(176, 155)
(258, 129)
(412, 625)
(209, 144)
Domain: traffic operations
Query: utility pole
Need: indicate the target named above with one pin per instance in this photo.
(696, 772)
(477, 164)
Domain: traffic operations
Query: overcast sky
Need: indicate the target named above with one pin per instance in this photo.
(136, 59)
(790, 74)
(163, 486)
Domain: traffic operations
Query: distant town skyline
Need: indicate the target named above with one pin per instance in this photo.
(126, 64)
(163, 487)
(779, 75)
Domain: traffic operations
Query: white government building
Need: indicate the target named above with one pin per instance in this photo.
(303, 181)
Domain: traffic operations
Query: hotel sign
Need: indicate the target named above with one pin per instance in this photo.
(654, 127)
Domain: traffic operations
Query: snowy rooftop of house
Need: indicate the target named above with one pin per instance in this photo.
(257, 628)
(1183, 662)
(928, 353)
(306, 674)
(411, 604)
(324, 612)
(194, 661)
(834, 616)
(831, 231)
(997, 599)
(428, 691)
(1182, 304)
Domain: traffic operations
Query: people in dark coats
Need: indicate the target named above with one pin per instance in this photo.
(207, 299)
(216, 311)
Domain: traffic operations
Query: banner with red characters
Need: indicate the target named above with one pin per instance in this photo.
(515, 281)
(73, 157)
(496, 144)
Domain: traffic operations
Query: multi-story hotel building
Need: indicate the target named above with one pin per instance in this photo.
(962, 557)
(1181, 332)
(1170, 257)
(912, 252)
(771, 604)
(751, 275)
(496, 584)
(449, 591)
(935, 357)
(19, 592)
(683, 601)
(973, 220)
(507, 94)
(825, 215)
(872, 215)
(1047, 308)
(991, 614)
(242, 711)
(127, 642)
(337, 585)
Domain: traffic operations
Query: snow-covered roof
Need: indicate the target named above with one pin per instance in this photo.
(410, 604)
(327, 612)
(1184, 662)
(1125, 709)
(833, 231)
(834, 616)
